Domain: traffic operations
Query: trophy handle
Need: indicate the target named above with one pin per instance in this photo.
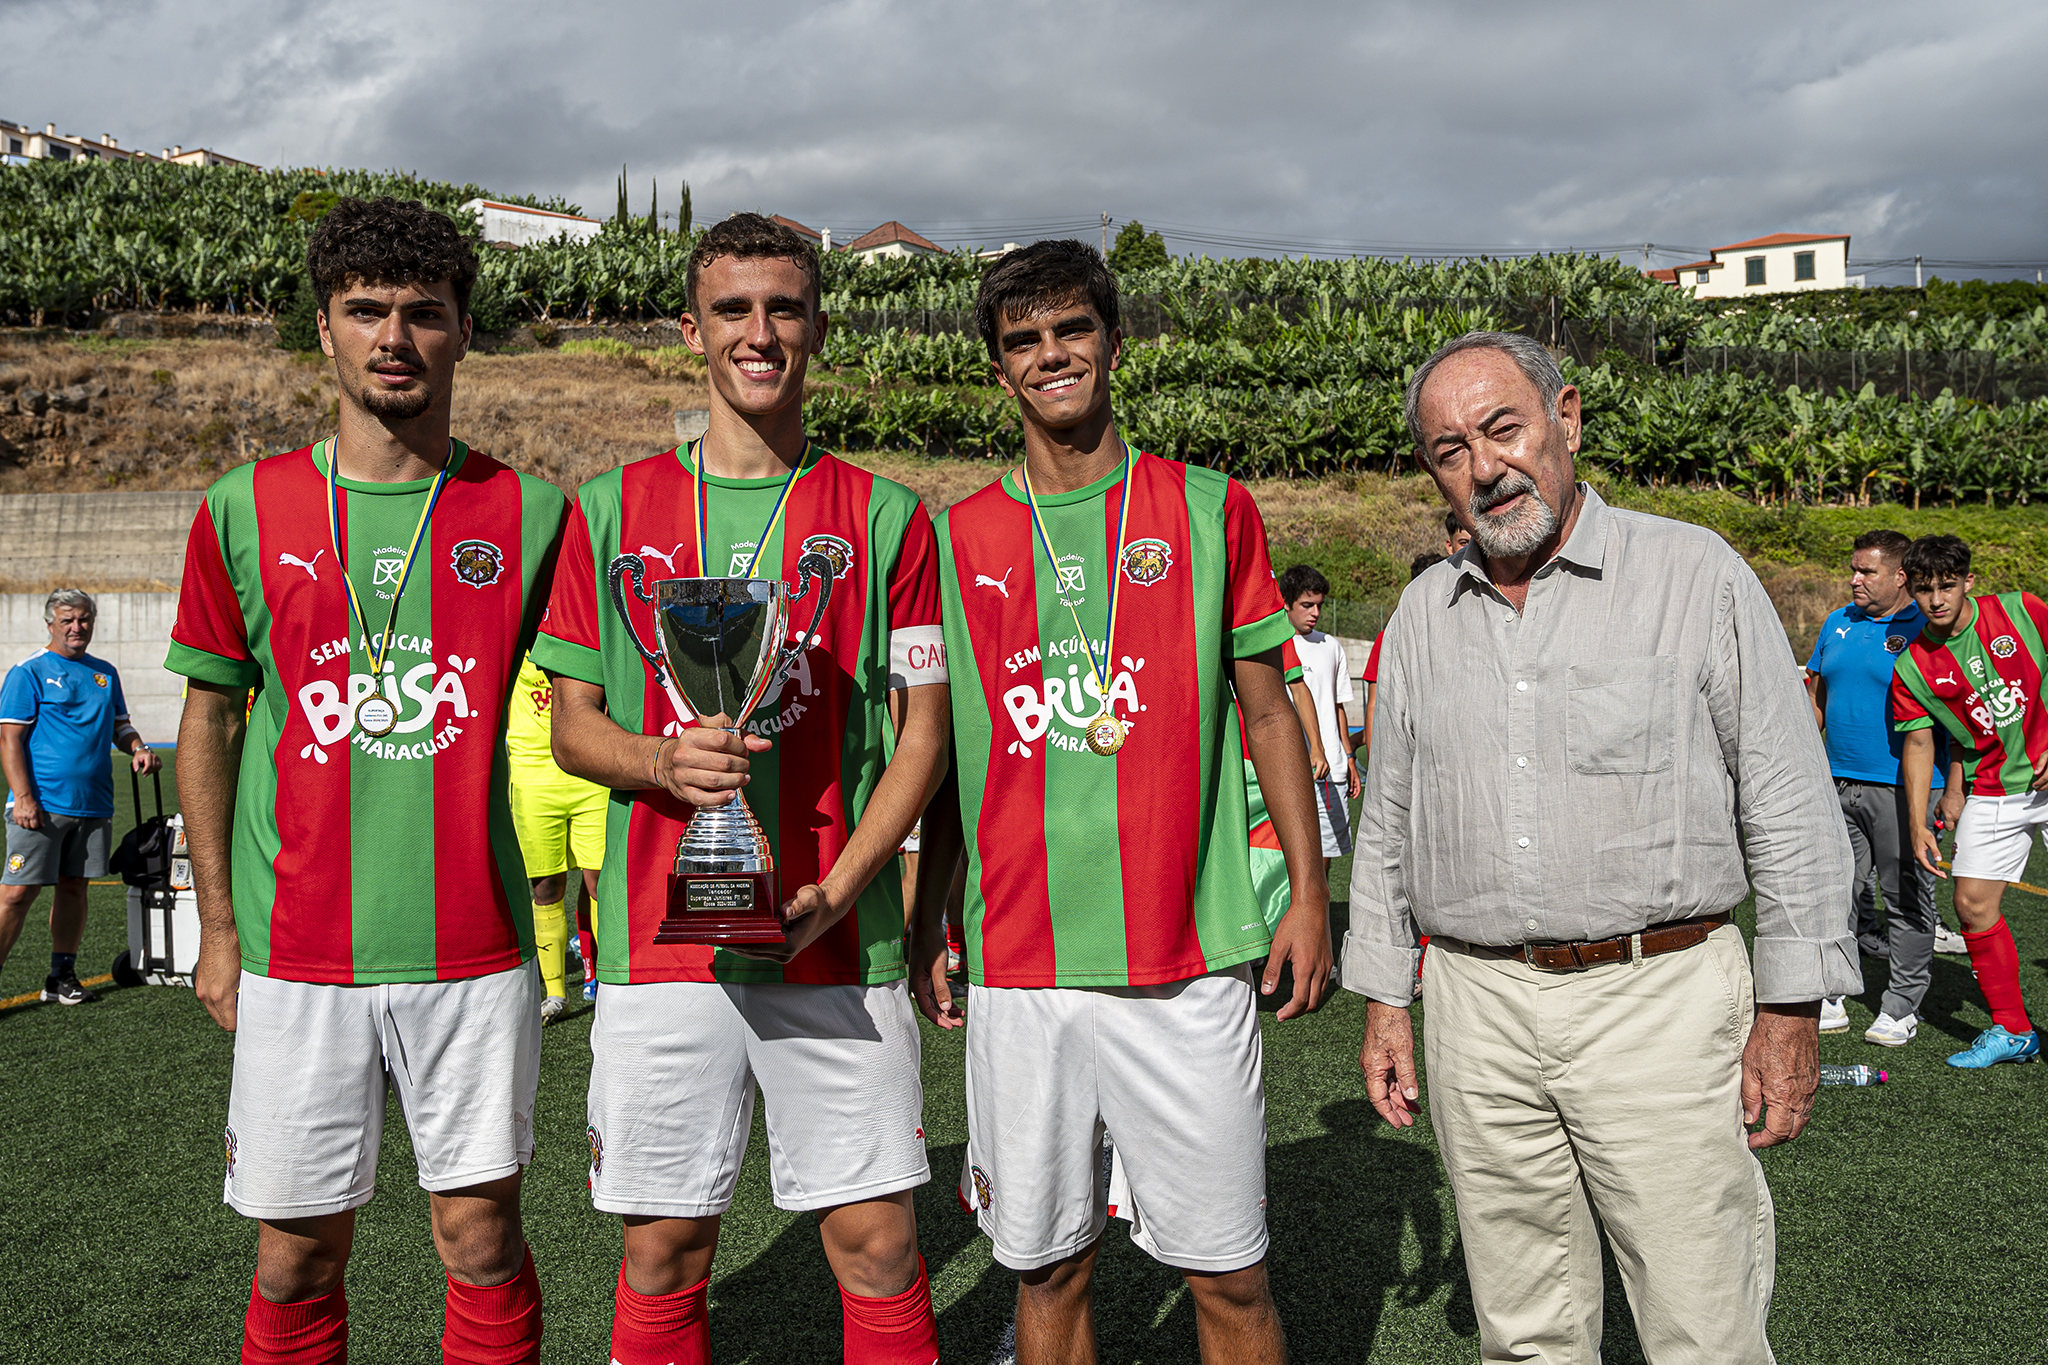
(634, 567)
(810, 567)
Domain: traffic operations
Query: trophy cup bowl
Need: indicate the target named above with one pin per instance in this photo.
(721, 647)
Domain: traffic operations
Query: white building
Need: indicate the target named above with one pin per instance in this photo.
(1777, 264)
(517, 225)
(19, 142)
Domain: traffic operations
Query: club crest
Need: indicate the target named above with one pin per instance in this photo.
(477, 562)
(596, 1151)
(834, 548)
(1895, 644)
(983, 1194)
(99, 680)
(229, 1140)
(2004, 646)
(1146, 561)
(16, 862)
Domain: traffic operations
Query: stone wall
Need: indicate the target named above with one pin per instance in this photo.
(94, 540)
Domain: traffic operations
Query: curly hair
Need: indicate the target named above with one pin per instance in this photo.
(1041, 276)
(1301, 578)
(746, 237)
(388, 241)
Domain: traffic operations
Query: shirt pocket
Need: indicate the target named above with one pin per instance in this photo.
(1621, 716)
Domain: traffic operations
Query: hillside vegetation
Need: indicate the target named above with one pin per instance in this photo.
(156, 414)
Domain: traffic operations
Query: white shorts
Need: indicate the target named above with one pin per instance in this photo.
(306, 1112)
(1333, 817)
(1996, 834)
(672, 1094)
(1173, 1072)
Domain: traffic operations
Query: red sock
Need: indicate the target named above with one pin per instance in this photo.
(898, 1330)
(661, 1329)
(1996, 961)
(497, 1325)
(311, 1332)
(956, 938)
(586, 945)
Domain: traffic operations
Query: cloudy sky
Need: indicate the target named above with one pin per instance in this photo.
(1302, 125)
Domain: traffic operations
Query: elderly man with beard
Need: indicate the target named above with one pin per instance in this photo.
(1585, 723)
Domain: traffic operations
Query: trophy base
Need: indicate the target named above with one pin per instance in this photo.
(722, 907)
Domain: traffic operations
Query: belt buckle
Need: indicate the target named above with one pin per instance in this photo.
(1529, 949)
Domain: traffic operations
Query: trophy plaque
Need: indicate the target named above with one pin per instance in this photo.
(721, 647)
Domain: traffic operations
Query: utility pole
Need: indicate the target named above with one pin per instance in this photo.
(1917, 284)
(1105, 236)
(1646, 255)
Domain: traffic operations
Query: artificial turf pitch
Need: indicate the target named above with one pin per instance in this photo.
(1906, 1213)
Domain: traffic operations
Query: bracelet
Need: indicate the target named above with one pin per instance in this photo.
(657, 758)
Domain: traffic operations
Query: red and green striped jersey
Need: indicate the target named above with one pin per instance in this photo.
(359, 859)
(827, 720)
(1130, 869)
(1983, 685)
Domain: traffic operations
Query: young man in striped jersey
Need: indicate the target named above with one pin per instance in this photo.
(823, 1023)
(1100, 604)
(1975, 669)
(364, 919)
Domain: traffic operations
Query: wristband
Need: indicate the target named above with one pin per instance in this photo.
(657, 760)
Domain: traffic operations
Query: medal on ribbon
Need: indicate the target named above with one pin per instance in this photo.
(1106, 733)
(376, 714)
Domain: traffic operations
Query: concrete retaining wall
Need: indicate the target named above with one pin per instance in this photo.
(133, 634)
(95, 538)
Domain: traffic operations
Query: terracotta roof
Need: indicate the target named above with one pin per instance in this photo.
(1668, 276)
(1784, 239)
(892, 231)
(794, 226)
(1703, 265)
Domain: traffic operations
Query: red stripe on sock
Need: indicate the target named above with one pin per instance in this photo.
(493, 1324)
(310, 1332)
(1995, 958)
(898, 1330)
(661, 1329)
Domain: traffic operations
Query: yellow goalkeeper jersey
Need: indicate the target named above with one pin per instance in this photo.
(526, 733)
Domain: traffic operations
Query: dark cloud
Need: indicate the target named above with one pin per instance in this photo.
(1476, 124)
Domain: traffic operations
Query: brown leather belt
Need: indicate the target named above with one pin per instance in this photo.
(1576, 957)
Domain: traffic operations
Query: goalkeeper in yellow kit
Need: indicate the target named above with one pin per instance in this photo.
(556, 816)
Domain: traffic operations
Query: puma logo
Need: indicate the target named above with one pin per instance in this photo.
(1842, 631)
(306, 564)
(649, 552)
(1949, 678)
(1001, 585)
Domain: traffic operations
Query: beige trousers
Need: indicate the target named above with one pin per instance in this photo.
(1568, 1102)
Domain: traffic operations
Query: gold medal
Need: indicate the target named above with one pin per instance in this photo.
(375, 715)
(1105, 734)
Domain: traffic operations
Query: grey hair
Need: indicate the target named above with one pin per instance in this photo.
(68, 597)
(1529, 356)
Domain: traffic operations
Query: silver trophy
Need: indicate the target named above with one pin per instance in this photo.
(723, 648)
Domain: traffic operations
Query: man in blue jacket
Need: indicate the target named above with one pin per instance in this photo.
(1851, 670)
(61, 710)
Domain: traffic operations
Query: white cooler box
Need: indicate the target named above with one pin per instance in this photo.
(163, 935)
(163, 924)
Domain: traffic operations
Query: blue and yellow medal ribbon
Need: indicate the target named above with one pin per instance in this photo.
(702, 506)
(1100, 671)
(419, 533)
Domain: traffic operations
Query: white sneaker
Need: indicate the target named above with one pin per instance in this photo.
(551, 1009)
(1947, 940)
(1890, 1032)
(1833, 1017)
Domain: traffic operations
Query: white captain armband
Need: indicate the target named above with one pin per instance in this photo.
(917, 656)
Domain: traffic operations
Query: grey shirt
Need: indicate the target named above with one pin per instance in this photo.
(1597, 763)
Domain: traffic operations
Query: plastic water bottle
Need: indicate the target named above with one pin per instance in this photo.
(1852, 1075)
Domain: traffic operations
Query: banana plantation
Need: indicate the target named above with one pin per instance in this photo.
(1264, 367)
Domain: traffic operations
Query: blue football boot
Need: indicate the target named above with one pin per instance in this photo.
(1995, 1045)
